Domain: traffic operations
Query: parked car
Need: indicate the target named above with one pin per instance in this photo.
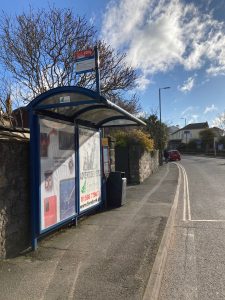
(174, 155)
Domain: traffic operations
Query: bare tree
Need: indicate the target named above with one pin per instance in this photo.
(37, 49)
(132, 105)
(9, 95)
(5, 103)
(220, 121)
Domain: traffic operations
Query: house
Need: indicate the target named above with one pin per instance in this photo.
(172, 129)
(218, 132)
(185, 134)
(20, 117)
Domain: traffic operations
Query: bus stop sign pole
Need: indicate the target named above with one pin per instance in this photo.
(97, 71)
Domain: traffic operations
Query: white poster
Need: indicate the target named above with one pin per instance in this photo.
(57, 172)
(90, 168)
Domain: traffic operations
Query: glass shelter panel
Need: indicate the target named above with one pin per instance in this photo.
(65, 98)
(119, 122)
(98, 115)
(57, 172)
(90, 168)
(70, 111)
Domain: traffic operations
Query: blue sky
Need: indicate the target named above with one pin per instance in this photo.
(173, 43)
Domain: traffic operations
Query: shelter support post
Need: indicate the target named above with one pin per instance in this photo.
(33, 174)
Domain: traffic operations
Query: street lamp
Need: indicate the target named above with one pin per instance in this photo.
(160, 122)
(185, 131)
(184, 121)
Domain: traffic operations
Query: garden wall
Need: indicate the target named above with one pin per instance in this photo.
(136, 163)
(14, 195)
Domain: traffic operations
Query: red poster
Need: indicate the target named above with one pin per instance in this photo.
(50, 211)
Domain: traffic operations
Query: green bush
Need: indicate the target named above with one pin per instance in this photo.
(134, 137)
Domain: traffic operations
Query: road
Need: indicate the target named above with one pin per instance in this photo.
(195, 267)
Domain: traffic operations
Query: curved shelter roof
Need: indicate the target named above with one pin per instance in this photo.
(71, 103)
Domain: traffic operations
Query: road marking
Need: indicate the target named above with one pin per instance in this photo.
(185, 196)
(72, 290)
(208, 220)
(190, 267)
(187, 206)
(188, 198)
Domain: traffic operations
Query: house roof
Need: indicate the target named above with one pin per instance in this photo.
(218, 131)
(192, 126)
(196, 126)
(172, 129)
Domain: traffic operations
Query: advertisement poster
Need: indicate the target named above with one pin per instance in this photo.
(90, 171)
(57, 172)
(67, 196)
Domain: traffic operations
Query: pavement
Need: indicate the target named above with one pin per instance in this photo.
(114, 254)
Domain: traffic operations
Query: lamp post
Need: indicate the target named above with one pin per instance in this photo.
(185, 126)
(185, 123)
(185, 131)
(160, 122)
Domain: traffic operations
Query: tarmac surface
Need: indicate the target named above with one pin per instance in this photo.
(108, 255)
(195, 267)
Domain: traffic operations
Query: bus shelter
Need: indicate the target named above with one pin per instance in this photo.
(66, 155)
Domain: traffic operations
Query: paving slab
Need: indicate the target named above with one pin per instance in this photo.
(108, 255)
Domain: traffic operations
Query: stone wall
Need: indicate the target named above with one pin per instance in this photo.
(148, 164)
(14, 196)
(136, 163)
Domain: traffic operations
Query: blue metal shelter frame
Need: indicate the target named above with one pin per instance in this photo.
(78, 107)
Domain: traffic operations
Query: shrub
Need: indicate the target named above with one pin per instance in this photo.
(134, 137)
(192, 146)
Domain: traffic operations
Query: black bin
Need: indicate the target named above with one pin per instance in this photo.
(116, 189)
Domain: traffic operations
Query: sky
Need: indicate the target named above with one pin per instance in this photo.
(171, 43)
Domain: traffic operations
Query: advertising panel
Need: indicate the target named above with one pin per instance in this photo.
(57, 172)
(90, 168)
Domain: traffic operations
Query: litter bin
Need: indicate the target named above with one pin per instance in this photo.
(116, 189)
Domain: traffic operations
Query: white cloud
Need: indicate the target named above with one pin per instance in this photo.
(92, 19)
(141, 114)
(187, 110)
(121, 18)
(193, 119)
(187, 85)
(159, 34)
(190, 114)
(210, 109)
(142, 82)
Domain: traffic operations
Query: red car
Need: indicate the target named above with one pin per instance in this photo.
(174, 155)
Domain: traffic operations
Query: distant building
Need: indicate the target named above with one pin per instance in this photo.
(185, 134)
(172, 129)
(20, 117)
(218, 132)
